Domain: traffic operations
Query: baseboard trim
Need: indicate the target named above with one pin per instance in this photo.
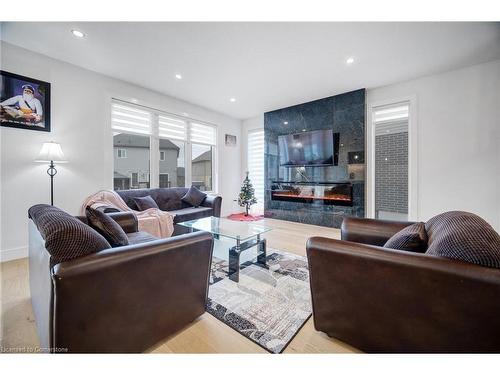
(12, 254)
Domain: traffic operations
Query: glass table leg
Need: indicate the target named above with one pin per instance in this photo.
(234, 262)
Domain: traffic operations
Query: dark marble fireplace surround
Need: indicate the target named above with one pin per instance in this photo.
(345, 115)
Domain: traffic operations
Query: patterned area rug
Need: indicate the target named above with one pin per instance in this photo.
(268, 305)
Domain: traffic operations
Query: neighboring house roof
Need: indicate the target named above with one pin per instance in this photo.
(206, 156)
(130, 140)
(119, 175)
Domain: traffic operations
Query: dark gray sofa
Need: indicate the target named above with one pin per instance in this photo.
(170, 199)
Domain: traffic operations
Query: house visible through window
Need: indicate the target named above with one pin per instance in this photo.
(134, 129)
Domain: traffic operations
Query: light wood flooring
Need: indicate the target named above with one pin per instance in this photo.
(205, 335)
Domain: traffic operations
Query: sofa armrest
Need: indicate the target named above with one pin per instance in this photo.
(383, 300)
(370, 231)
(128, 298)
(215, 202)
(108, 209)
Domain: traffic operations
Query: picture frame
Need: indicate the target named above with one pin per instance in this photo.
(230, 140)
(24, 102)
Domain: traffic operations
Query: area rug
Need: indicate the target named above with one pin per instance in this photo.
(241, 217)
(268, 305)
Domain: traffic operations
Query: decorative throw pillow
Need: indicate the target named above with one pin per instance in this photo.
(463, 236)
(411, 238)
(65, 236)
(143, 203)
(194, 197)
(107, 227)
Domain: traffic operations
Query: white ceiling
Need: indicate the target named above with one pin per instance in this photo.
(265, 66)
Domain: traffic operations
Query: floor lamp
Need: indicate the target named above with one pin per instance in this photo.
(51, 153)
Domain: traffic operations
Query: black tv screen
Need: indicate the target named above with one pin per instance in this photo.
(307, 149)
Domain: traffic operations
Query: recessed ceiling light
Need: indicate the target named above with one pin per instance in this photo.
(303, 130)
(77, 33)
(232, 100)
(178, 76)
(350, 60)
(286, 122)
(134, 100)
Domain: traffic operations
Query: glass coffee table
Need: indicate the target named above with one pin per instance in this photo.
(233, 238)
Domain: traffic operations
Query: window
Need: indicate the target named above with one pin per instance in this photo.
(390, 126)
(150, 142)
(255, 165)
(164, 180)
(122, 153)
(202, 150)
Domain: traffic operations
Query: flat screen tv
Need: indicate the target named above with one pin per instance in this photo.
(314, 148)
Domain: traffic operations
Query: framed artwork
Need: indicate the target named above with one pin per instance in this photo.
(24, 102)
(230, 140)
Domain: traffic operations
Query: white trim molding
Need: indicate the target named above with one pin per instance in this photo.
(413, 210)
(13, 254)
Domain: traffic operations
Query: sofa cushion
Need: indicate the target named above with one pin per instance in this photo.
(140, 237)
(107, 227)
(167, 199)
(144, 203)
(65, 236)
(194, 197)
(191, 213)
(411, 238)
(463, 236)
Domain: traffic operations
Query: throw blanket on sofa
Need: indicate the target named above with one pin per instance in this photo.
(154, 221)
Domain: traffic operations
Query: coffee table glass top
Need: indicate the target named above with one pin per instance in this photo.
(238, 230)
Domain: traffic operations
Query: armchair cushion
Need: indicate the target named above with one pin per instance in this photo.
(463, 236)
(107, 227)
(411, 238)
(144, 203)
(194, 197)
(65, 236)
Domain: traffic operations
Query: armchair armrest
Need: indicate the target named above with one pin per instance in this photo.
(370, 231)
(215, 202)
(128, 298)
(383, 300)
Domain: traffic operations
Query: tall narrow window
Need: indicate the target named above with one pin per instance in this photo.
(172, 132)
(203, 139)
(390, 125)
(255, 160)
(131, 141)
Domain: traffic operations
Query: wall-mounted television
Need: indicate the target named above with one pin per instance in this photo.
(313, 148)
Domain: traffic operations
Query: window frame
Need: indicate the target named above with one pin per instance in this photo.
(154, 143)
(122, 151)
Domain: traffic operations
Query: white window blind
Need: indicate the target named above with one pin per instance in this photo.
(391, 119)
(171, 127)
(130, 119)
(256, 166)
(204, 134)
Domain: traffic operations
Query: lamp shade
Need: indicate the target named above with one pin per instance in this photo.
(51, 151)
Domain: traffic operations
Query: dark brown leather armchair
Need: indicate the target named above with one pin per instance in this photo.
(383, 300)
(123, 299)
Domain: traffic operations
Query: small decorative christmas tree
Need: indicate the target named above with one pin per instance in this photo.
(247, 195)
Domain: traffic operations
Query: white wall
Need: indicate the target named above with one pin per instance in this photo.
(458, 122)
(80, 121)
(458, 126)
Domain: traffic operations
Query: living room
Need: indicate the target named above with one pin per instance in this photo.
(191, 187)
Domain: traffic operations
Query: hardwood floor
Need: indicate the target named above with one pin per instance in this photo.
(205, 335)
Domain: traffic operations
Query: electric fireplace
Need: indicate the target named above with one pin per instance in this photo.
(325, 193)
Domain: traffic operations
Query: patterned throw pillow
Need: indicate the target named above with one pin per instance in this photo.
(463, 236)
(144, 203)
(65, 236)
(107, 227)
(194, 197)
(411, 238)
